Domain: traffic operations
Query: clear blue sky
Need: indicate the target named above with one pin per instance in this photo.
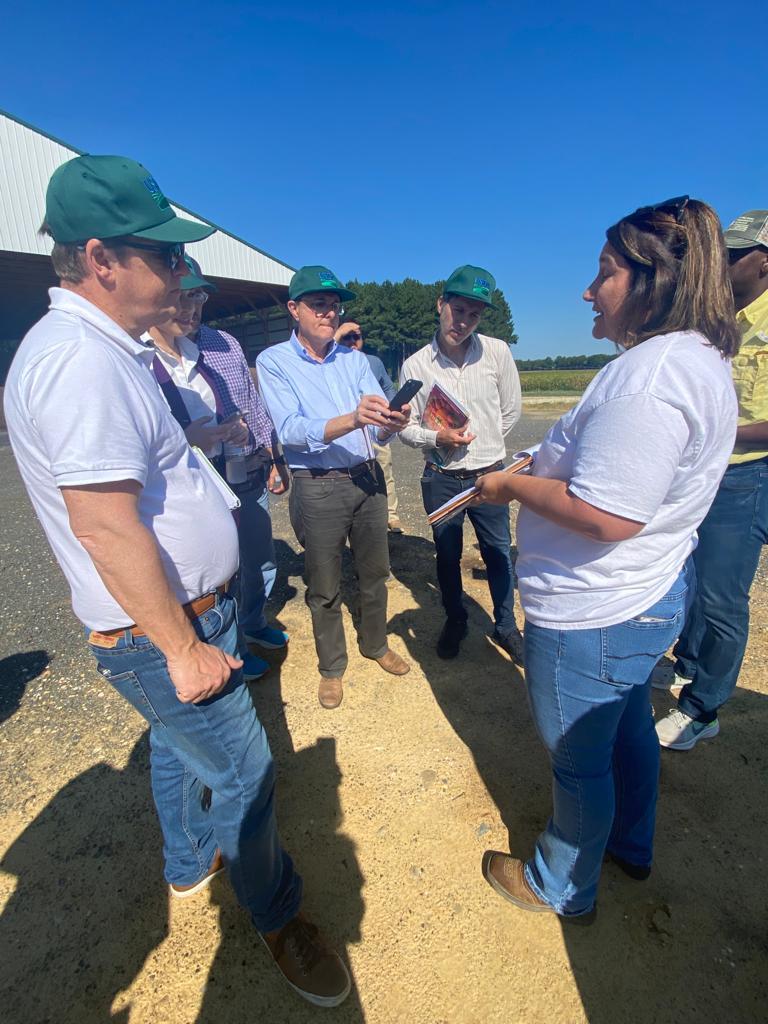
(404, 139)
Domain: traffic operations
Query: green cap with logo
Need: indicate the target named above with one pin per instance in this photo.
(112, 197)
(317, 279)
(748, 230)
(195, 279)
(471, 283)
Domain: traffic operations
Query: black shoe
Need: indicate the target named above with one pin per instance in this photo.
(512, 643)
(637, 871)
(452, 634)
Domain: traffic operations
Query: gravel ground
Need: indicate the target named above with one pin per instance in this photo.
(387, 805)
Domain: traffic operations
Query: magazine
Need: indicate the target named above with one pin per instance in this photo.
(443, 412)
(522, 462)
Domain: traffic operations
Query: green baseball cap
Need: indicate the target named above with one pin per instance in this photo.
(472, 283)
(748, 230)
(112, 197)
(195, 279)
(317, 279)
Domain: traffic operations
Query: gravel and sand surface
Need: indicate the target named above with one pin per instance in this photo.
(387, 805)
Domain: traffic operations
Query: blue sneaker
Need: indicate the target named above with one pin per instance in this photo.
(269, 637)
(253, 667)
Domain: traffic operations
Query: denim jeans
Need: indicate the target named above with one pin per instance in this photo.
(256, 576)
(220, 744)
(711, 647)
(491, 524)
(589, 691)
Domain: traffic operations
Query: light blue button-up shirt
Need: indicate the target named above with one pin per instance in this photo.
(302, 394)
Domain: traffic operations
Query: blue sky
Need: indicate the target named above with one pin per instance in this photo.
(404, 139)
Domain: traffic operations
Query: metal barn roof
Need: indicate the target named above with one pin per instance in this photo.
(247, 277)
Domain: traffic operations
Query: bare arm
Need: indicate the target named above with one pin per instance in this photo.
(753, 435)
(105, 519)
(552, 500)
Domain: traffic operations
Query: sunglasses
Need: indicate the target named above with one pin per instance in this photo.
(195, 295)
(352, 336)
(672, 206)
(172, 255)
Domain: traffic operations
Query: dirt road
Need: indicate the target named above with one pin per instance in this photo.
(386, 804)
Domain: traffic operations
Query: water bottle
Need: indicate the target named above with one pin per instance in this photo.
(234, 463)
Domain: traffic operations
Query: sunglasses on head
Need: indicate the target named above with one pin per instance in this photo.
(674, 207)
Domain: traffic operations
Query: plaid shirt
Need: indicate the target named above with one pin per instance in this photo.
(224, 358)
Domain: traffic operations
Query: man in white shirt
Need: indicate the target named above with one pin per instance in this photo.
(147, 542)
(480, 374)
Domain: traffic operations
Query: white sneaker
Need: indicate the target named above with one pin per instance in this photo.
(679, 731)
(663, 679)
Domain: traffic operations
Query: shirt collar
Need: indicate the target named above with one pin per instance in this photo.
(65, 301)
(437, 351)
(301, 351)
(755, 310)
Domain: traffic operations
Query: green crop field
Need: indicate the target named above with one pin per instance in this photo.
(555, 382)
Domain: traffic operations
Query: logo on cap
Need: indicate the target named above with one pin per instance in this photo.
(154, 190)
(481, 287)
(327, 280)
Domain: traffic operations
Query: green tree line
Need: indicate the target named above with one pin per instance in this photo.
(593, 362)
(399, 317)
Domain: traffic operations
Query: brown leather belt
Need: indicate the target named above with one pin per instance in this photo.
(352, 472)
(192, 609)
(466, 474)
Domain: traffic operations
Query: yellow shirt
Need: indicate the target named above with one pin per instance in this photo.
(750, 372)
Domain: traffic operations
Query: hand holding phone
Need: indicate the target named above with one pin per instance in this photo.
(405, 394)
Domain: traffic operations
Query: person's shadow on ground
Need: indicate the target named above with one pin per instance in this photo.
(481, 693)
(691, 939)
(15, 672)
(243, 985)
(82, 920)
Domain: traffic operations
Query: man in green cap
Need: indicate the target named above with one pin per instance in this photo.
(329, 411)
(711, 647)
(479, 373)
(146, 539)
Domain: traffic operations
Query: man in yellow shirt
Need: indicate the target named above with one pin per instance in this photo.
(711, 648)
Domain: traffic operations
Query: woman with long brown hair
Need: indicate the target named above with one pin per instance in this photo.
(608, 519)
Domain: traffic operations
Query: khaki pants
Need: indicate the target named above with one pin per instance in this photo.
(384, 458)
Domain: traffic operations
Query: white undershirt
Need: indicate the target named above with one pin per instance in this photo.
(194, 389)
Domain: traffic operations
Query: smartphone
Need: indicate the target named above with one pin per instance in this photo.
(405, 394)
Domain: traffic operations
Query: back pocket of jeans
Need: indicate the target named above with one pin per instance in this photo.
(128, 686)
(632, 648)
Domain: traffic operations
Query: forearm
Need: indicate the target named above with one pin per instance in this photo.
(552, 500)
(339, 426)
(753, 435)
(127, 559)
(418, 437)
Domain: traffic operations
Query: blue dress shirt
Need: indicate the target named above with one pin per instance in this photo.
(302, 394)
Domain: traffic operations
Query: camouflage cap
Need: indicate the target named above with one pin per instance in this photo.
(748, 230)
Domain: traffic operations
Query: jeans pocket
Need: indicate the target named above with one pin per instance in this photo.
(129, 686)
(631, 649)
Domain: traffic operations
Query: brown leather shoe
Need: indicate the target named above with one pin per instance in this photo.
(330, 692)
(505, 874)
(394, 664)
(182, 891)
(307, 963)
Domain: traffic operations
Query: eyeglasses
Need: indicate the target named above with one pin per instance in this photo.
(195, 296)
(673, 206)
(172, 254)
(321, 308)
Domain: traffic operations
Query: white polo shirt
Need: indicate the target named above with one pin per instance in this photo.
(83, 407)
(195, 391)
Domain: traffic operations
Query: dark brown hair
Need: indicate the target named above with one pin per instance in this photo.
(679, 266)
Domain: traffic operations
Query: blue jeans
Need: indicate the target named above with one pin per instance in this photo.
(589, 691)
(491, 524)
(256, 575)
(219, 744)
(711, 647)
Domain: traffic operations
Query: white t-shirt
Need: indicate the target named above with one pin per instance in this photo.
(82, 407)
(649, 441)
(195, 391)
